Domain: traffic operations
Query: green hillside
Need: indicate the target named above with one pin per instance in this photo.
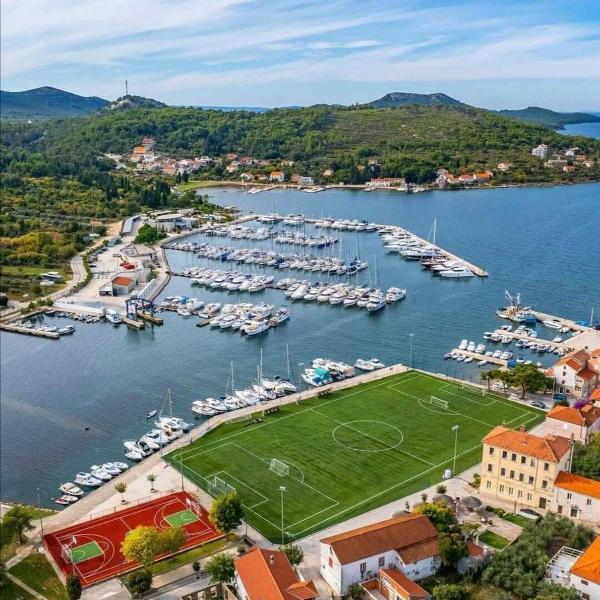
(549, 118)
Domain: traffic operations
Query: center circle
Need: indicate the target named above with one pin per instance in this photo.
(365, 435)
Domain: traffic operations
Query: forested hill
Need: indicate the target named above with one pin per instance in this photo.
(405, 140)
(394, 99)
(46, 102)
(550, 118)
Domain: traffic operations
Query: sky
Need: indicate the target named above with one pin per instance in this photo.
(494, 54)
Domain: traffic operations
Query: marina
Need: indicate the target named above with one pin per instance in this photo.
(92, 390)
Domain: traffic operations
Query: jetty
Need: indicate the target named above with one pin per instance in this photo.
(133, 322)
(515, 335)
(51, 335)
(476, 356)
(572, 325)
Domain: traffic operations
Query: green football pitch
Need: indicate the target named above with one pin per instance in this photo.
(347, 452)
(181, 518)
(85, 552)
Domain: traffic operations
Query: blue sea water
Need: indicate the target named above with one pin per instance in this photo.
(66, 405)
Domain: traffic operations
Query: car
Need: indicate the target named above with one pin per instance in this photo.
(528, 513)
(538, 404)
(559, 397)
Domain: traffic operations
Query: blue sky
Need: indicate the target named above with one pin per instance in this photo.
(505, 54)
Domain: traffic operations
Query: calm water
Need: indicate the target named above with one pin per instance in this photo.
(587, 129)
(543, 242)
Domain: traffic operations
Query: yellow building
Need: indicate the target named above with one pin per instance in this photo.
(520, 467)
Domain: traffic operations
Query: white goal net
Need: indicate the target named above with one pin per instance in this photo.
(475, 390)
(217, 486)
(279, 468)
(439, 402)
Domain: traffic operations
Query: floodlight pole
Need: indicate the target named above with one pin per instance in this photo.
(455, 429)
(41, 517)
(410, 359)
(282, 490)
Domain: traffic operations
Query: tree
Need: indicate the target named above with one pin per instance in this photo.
(73, 587)
(452, 548)
(227, 512)
(529, 378)
(487, 377)
(121, 488)
(3, 577)
(441, 489)
(140, 581)
(141, 544)
(449, 591)
(18, 520)
(294, 553)
(551, 591)
(151, 478)
(439, 514)
(148, 235)
(356, 592)
(424, 497)
(171, 540)
(221, 568)
(196, 567)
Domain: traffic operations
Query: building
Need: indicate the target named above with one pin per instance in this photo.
(394, 585)
(277, 176)
(232, 167)
(386, 182)
(595, 397)
(577, 497)
(246, 177)
(327, 173)
(173, 222)
(585, 573)
(577, 373)
(540, 151)
(122, 285)
(408, 543)
(569, 168)
(574, 423)
(483, 177)
(264, 574)
(520, 467)
(504, 167)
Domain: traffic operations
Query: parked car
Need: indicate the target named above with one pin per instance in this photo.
(528, 513)
(538, 404)
(559, 397)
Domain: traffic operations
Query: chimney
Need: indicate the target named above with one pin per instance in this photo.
(271, 559)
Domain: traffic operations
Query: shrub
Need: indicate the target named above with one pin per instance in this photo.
(139, 582)
(441, 489)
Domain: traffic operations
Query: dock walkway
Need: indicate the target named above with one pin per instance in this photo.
(572, 325)
(476, 356)
(535, 340)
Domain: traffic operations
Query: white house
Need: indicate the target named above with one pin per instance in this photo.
(174, 221)
(305, 180)
(277, 176)
(540, 151)
(576, 423)
(585, 573)
(386, 182)
(577, 373)
(577, 497)
(408, 543)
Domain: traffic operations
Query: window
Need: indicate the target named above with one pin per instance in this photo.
(490, 467)
(510, 491)
(546, 466)
(574, 512)
(530, 480)
(488, 485)
(513, 457)
(521, 477)
(512, 475)
(501, 488)
(491, 451)
(363, 568)
(503, 471)
(520, 494)
(588, 502)
(504, 453)
(330, 562)
(544, 484)
(569, 496)
(559, 509)
(532, 463)
(529, 496)
(523, 460)
(381, 561)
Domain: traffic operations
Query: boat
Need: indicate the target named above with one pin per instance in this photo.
(110, 468)
(506, 339)
(376, 363)
(482, 363)
(134, 455)
(468, 359)
(119, 465)
(87, 480)
(150, 414)
(395, 294)
(67, 330)
(463, 344)
(112, 316)
(364, 365)
(99, 473)
(255, 327)
(174, 422)
(70, 489)
(471, 347)
(375, 305)
(184, 312)
(457, 272)
(66, 499)
(552, 324)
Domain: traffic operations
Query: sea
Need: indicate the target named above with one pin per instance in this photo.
(68, 404)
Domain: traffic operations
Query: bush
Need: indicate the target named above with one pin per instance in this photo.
(441, 489)
(449, 591)
(73, 587)
(139, 582)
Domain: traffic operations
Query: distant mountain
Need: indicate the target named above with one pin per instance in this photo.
(550, 118)
(402, 98)
(130, 102)
(45, 102)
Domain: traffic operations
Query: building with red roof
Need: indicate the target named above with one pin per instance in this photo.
(575, 423)
(577, 497)
(577, 373)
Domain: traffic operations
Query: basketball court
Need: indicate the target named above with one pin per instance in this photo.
(92, 550)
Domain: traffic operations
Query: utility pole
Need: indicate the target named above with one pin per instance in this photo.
(410, 359)
(455, 429)
(282, 490)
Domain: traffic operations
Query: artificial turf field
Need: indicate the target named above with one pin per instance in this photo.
(349, 451)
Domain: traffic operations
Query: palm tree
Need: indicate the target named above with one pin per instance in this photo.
(151, 478)
(121, 487)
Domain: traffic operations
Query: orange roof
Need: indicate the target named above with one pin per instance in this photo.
(276, 173)
(588, 565)
(550, 447)
(576, 360)
(595, 394)
(585, 416)
(122, 280)
(586, 373)
(268, 575)
(410, 535)
(139, 150)
(406, 588)
(474, 550)
(576, 483)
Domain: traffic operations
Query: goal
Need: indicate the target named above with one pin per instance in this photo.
(217, 486)
(65, 550)
(279, 468)
(439, 402)
(475, 390)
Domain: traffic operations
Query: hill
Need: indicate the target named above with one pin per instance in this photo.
(549, 118)
(130, 102)
(394, 99)
(47, 102)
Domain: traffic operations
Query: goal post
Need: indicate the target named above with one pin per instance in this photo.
(438, 402)
(65, 552)
(480, 391)
(279, 467)
(218, 486)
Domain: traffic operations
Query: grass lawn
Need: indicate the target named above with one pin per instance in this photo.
(36, 572)
(494, 540)
(12, 591)
(9, 549)
(347, 452)
(516, 519)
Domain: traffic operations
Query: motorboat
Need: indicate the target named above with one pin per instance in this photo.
(460, 358)
(66, 499)
(184, 312)
(200, 407)
(67, 330)
(480, 348)
(482, 363)
(255, 327)
(134, 455)
(448, 355)
(87, 480)
(109, 468)
(174, 422)
(468, 359)
(118, 465)
(471, 347)
(375, 305)
(506, 339)
(70, 489)
(463, 344)
(364, 365)
(216, 404)
(99, 473)
(458, 272)
(552, 324)
(264, 392)
(112, 316)
(395, 294)
(376, 363)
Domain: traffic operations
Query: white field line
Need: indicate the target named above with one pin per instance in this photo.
(243, 484)
(452, 393)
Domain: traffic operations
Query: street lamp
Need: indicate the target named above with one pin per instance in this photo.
(455, 429)
(282, 489)
(411, 351)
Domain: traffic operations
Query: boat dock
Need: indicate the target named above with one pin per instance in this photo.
(146, 316)
(572, 325)
(476, 356)
(133, 322)
(51, 335)
(534, 340)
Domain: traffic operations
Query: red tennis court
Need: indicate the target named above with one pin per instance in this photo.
(92, 550)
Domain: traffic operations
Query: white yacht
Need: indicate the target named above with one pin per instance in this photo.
(99, 473)
(70, 489)
(395, 294)
(255, 327)
(112, 316)
(463, 344)
(364, 365)
(87, 479)
(459, 272)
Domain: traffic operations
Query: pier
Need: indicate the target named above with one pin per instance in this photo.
(534, 340)
(51, 335)
(572, 325)
(146, 316)
(476, 356)
(133, 322)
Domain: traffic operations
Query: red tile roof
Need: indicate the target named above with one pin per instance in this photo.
(406, 588)
(410, 535)
(578, 484)
(587, 374)
(550, 447)
(268, 575)
(474, 550)
(588, 565)
(585, 416)
(595, 394)
(122, 280)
